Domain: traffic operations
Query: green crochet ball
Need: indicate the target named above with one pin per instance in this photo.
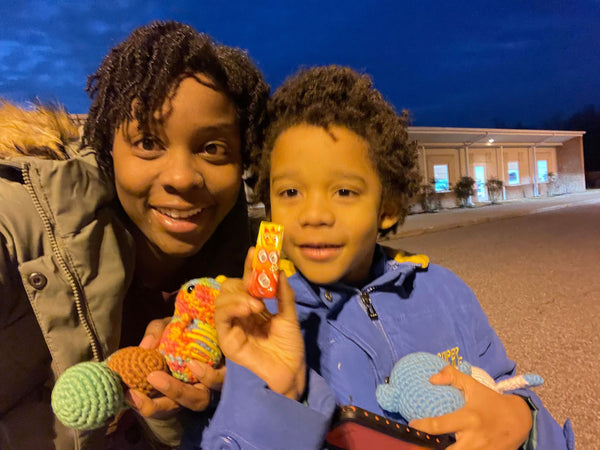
(87, 395)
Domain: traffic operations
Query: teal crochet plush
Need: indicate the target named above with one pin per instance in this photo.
(87, 395)
(410, 393)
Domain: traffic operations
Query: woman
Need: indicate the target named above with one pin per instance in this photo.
(91, 247)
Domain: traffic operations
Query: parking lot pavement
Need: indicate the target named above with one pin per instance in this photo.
(457, 217)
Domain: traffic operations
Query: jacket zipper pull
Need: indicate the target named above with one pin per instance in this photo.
(366, 299)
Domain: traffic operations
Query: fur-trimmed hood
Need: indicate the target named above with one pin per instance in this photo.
(42, 131)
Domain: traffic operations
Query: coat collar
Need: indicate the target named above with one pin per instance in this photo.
(391, 269)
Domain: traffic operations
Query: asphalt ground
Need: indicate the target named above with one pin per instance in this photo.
(533, 266)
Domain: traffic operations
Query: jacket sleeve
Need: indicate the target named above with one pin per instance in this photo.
(251, 416)
(546, 433)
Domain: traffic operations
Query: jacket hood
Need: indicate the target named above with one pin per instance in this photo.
(43, 131)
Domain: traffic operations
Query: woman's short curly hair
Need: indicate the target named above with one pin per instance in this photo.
(143, 70)
(335, 95)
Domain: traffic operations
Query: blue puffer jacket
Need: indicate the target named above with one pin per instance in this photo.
(353, 339)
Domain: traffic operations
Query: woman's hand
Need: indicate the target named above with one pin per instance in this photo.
(489, 420)
(176, 393)
(269, 345)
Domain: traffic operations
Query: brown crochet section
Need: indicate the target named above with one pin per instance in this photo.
(134, 364)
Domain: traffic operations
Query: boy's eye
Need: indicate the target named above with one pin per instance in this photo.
(289, 193)
(345, 192)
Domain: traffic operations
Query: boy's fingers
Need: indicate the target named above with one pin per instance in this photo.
(248, 267)
(448, 423)
(239, 305)
(286, 300)
(229, 286)
(450, 376)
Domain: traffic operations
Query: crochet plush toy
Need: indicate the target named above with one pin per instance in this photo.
(191, 334)
(410, 393)
(89, 394)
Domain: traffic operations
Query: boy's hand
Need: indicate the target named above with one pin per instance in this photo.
(488, 420)
(269, 345)
(176, 393)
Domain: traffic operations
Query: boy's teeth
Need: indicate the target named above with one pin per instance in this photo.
(179, 214)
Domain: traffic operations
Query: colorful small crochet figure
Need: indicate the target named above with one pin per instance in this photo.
(89, 394)
(191, 334)
(410, 393)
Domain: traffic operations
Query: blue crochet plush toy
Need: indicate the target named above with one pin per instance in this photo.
(410, 393)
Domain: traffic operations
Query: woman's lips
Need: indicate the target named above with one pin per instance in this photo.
(179, 220)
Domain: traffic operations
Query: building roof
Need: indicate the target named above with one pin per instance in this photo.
(460, 137)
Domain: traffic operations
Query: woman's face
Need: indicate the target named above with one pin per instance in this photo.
(178, 182)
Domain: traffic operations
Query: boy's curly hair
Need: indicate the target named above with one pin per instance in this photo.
(335, 95)
(143, 70)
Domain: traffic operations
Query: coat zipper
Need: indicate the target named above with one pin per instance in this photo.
(366, 300)
(75, 288)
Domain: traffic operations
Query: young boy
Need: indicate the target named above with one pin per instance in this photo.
(336, 173)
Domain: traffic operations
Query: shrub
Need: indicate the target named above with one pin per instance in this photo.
(463, 189)
(494, 187)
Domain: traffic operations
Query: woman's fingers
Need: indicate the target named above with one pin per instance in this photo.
(209, 376)
(153, 333)
(195, 397)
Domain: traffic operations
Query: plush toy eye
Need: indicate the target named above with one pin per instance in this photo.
(190, 288)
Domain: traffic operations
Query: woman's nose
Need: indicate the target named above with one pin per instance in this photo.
(181, 171)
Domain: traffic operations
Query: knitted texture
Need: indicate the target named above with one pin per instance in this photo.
(191, 334)
(87, 395)
(410, 393)
(134, 364)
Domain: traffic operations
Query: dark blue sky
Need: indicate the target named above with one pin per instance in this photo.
(467, 64)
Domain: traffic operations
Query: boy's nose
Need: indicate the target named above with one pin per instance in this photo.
(316, 211)
(181, 172)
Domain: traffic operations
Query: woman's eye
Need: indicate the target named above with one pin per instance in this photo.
(215, 148)
(147, 143)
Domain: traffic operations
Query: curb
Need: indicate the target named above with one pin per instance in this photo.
(474, 221)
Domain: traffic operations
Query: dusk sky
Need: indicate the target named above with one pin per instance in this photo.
(464, 64)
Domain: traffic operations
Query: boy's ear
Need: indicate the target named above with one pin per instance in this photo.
(389, 215)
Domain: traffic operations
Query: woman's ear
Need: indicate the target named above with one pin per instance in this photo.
(389, 214)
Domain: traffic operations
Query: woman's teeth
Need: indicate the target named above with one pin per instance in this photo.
(178, 213)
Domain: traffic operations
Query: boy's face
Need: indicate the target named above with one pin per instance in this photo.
(326, 193)
(178, 182)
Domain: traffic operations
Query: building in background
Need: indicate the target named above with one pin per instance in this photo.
(530, 163)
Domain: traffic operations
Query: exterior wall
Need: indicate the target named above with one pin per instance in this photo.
(570, 168)
(548, 155)
(443, 156)
(517, 163)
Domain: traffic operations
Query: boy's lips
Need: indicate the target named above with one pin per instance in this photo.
(319, 252)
